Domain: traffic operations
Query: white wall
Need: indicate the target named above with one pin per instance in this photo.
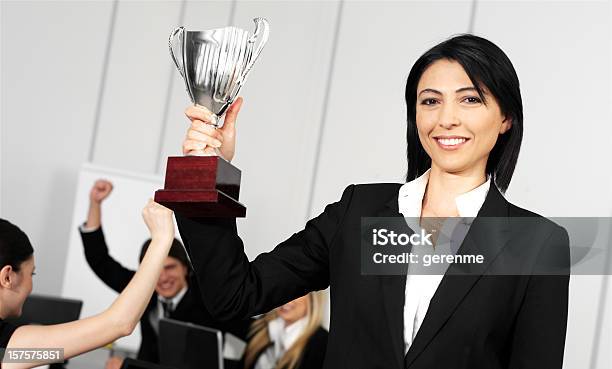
(52, 61)
(323, 108)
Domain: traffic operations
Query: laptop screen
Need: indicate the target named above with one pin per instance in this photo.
(189, 346)
(47, 310)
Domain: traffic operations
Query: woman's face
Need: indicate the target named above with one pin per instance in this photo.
(17, 286)
(456, 128)
(294, 310)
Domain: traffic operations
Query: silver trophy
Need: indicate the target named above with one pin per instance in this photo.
(215, 63)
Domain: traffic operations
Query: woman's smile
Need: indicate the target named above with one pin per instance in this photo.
(450, 114)
(451, 143)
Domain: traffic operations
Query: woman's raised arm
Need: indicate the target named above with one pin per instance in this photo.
(121, 317)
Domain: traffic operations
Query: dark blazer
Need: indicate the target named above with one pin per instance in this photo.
(6, 331)
(312, 356)
(473, 321)
(189, 309)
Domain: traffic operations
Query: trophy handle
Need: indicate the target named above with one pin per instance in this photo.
(175, 44)
(262, 29)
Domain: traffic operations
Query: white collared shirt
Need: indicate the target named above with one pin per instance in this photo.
(156, 315)
(282, 338)
(174, 301)
(420, 288)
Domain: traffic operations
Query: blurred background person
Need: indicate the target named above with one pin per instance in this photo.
(288, 337)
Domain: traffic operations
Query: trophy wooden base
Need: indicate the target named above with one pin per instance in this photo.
(201, 186)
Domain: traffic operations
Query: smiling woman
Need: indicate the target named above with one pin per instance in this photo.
(464, 132)
(463, 95)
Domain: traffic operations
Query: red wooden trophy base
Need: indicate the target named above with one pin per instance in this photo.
(201, 186)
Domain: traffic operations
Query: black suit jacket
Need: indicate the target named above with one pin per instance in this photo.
(189, 309)
(473, 321)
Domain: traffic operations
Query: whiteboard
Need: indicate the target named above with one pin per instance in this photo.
(124, 230)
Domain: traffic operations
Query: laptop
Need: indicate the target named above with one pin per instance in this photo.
(189, 346)
(48, 310)
(129, 363)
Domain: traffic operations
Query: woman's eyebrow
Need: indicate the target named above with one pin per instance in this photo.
(462, 89)
(430, 90)
(471, 88)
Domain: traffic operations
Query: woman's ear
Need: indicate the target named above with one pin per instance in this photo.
(505, 126)
(6, 276)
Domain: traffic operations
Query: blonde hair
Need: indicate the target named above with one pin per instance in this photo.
(259, 338)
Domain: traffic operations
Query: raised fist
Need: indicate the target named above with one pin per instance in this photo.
(100, 191)
(159, 220)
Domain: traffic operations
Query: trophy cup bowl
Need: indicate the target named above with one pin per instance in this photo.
(214, 65)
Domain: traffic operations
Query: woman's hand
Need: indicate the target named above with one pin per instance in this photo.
(202, 137)
(159, 221)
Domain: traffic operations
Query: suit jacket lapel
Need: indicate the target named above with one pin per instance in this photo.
(486, 238)
(187, 305)
(392, 287)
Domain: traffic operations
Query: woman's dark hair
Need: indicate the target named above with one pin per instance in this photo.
(177, 251)
(15, 247)
(488, 68)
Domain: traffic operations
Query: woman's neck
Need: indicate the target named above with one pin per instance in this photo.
(287, 323)
(443, 187)
(3, 313)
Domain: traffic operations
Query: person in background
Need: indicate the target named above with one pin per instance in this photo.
(17, 267)
(288, 337)
(175, 297)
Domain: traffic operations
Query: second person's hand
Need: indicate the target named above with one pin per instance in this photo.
(202, 137)
(100, 191)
